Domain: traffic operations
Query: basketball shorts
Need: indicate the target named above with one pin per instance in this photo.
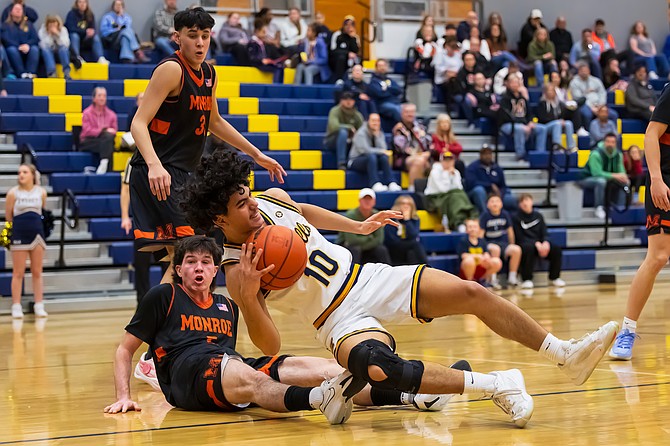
(503, 246)
(658, 220)
(157, 222)
(382, 294)
(202, 375)
(480, 272)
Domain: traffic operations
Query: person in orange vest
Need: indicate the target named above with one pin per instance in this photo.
(608, 47)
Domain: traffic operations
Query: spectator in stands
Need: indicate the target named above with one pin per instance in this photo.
(444, 193)
(562, 38)
(386, 92)
(116, 29)
(499, 84)
(23, 208)
(634, 165)
(29, 12)
(602, 125)
(80, 23)
(571, 109)
(428, 20)
(273, 33)
(313, 59)
(484, 177)
(292, 31)
(233, 39)
(553, 114)
(411, 145)
(605, 164)
(480, 102)
(533, 23)
(465, 26)
(476, 262)
(466, 75)
(55, 41)
(497, 43)
(345, 48)
(592, 90)
(368, 155)
(98, 129)
(481, 62)
(449, 34)
(343, 121)
(640, 95)
(644, 49)
(357, 85)
(403, 242)
(483, 46)
(444, 140)
(495, 19)
(323, 31)
(498, 231)
(587, 51)
(542, 54)
(612, 79)
(162, 29)
(365, 248)
(517, 121)
(608, 47)
(21, 43)
(530, 232)
(447, 63)
(263, 55)
(425, 48)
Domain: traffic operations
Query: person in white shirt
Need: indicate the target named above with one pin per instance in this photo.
(292, 31)
(499, 86)
(447, 62)
(55, 40)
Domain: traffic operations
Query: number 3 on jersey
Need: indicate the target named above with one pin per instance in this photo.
(200, 130)
(321, 267)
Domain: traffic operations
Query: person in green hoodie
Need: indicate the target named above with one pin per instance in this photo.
(604, 164)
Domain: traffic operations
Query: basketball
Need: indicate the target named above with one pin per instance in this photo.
(285, 249)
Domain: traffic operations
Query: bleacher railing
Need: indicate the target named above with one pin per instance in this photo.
(611, 191)
(366, 24)
(28, 154)
(553, 166)
(68, 202)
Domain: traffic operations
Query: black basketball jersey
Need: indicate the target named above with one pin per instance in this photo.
(176, 328)
(179, 129)
(662, 114)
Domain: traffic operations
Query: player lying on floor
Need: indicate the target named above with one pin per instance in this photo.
(192, 334)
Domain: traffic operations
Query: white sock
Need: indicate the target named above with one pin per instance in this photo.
(554, 349)
(478, 383)
(494, 277)
(102, 167)
(315, 397)
(630, 324)
(406, 398)
(511, 276)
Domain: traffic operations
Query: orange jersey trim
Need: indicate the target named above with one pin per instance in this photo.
(159, 126)
(184, 231)
(212, 395)
(198, 81)
(141, 234)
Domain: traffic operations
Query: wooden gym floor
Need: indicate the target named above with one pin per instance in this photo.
(56, 377)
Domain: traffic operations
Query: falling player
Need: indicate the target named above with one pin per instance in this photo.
(349, 303)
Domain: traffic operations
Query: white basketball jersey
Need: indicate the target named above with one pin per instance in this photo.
(328, 277)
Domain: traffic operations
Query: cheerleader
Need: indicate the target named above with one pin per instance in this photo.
(24, 210)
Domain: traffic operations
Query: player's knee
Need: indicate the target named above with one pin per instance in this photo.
(471, 290)
(496, 264)
(514, 250)
(375, 362)
(494, 250)
(659, 260)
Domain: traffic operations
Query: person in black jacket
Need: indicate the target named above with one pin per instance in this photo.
(530, 232)
(357, 85)
(552, 114)
(385, 92)
(345, 48)
(533, 23)
(480, 101)
(80, 23)
(562, 39)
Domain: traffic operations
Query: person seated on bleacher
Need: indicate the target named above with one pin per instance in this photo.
(30, 13)
(484, 177)
(322, 30)
(99, 125)
(80, 23)
(465, 77)
(386, 92)
(357, 85)
(593, 92)
(444, 140)
(345, 48)
(313, 59)
(571, 109)
(644, 49)
(498, 231)
(480, 101)
(476, 262)
(273, 34)
(21, 43)
(542, 54)
(640, 95)
(368, 155)
(612, 78)
(634, 164)
(587, 51)
(162, 29)
(497, 43)
(116, 30)
(465, 27)
(605, 164)
(499, 84)
(562, 38)
(533, 23)
(425, 47)
(411, 145)
(343, 122)
(365, 248)
(517, 120)
(447, 63)
(448, 36)
(483, 46)
(55, 41)
(482, 61)
(608, 47)
(530, 232)
(403, 242)
(602, 126)
(263, 55)
(233, 39)
(292, 32)
(444, 193)
(554, 115)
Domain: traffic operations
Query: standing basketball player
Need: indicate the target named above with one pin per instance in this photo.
(170, 129)
(347, 303)
(657, 207)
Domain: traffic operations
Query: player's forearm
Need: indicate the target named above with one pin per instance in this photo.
(125, 201)
(122, 365)
(140, 132)
(222, 128)
(261, 328)
(327, 220)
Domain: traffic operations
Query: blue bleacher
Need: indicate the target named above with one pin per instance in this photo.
(109, 183)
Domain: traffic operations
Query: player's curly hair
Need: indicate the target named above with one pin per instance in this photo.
(207, 192)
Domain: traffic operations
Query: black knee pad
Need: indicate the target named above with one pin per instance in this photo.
(401, 374)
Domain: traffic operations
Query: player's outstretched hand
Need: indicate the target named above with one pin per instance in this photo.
(159, 182)
(249, 274)
(272, 166)
(660, 194)
(380, 219)
(123, 406)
